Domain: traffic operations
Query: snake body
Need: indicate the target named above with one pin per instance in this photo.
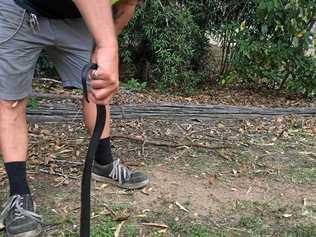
(94, 142)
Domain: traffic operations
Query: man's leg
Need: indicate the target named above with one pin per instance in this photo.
(13, 140)
(13, 127)
(105, 168)
(70, 56)
(103, 154)
(19, 51)
(14, 144)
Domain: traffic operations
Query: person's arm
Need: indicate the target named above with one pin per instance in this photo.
(98, 17)
(123, 12)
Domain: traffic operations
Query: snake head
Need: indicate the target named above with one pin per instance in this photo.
(85, 78)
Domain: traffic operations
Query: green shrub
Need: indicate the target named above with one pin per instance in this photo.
(45, 68)
(165, 37)
(135, 85)
(268, 46)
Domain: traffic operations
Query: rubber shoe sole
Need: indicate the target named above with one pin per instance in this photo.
(33, 233)
(124, 185)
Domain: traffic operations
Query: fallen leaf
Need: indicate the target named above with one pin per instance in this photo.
(211, 179)
(120, 215)
(162, 231)
(146, 190)
(280, 119)
(141, 216)
(102, 187)
(287, 215)
(235, 172)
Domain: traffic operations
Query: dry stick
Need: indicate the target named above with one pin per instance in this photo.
(66, 161)
(158, 143)
(48, 79)
(56, 174)
(118, 229)
(55, 96)
(113, 213)
(155, 225)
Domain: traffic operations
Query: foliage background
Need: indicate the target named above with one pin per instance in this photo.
(180, 46)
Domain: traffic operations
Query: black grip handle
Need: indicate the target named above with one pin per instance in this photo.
(85, 77)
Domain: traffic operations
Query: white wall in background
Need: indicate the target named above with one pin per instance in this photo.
(312, 49)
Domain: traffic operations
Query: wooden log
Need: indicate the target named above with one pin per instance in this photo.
(72, 112)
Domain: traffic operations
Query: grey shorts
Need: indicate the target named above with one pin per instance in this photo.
(68, 44)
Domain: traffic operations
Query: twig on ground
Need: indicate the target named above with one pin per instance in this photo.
(156, 225)
(56, 174)
(48, 79)
(66, 161)
(181, 207)
(55, 96)
(113, 213)
(120, 193)
(118, 229)
(168, 144)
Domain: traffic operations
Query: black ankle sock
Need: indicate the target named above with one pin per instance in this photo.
(104, 155)
(16, 172)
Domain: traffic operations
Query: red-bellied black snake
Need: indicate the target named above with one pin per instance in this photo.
(94, 142)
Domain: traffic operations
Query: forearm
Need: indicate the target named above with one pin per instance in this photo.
(123, 13)
(98, 17)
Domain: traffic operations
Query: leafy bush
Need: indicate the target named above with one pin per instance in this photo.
(264, 42)
(44, 67)
(276, 50)
(165, 40)
(135, 85)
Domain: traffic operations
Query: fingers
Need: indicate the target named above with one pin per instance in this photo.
(105, 80)
(101, 91)
(94, 100)
(102, 94)
(99, 84)
(102, 86)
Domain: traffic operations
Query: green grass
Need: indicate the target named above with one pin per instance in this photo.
(190, 230)
(251, 222)
(105, 229)
(32, 103)
(302, 175)
(301, 231)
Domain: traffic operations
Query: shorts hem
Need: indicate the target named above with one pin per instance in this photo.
(4, 96)
(72, 86)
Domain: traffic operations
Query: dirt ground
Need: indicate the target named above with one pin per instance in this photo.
(222, 178)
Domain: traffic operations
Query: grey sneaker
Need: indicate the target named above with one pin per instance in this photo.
(18, 217)
(119, 175)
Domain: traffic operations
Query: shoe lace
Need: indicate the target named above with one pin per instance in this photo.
(16, 203)
(120, 172)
